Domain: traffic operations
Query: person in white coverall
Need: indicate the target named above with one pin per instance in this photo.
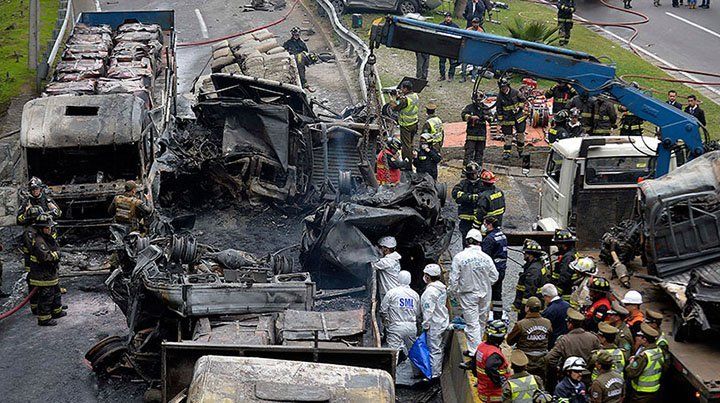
(400, 310)
(436, 318)
(471, 278)
(388, 267)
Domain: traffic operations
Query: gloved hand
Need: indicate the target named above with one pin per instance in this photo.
(474, 197)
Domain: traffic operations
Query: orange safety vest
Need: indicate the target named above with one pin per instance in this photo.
(487, 390)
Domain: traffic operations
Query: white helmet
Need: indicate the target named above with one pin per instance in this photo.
(574, 364)
(632, 297)
(432, 270)
(474, 234)
(388, 242)
(404, 277)
(584, 265)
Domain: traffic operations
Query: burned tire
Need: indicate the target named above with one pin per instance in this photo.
(407, 7)
(339, 6)
(106, 353)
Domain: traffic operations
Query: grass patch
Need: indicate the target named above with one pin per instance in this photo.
(14, 26)
(393, 64)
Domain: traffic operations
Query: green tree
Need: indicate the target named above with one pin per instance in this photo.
(533, 31)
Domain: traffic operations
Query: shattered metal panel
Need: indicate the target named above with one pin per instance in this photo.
(262, 128)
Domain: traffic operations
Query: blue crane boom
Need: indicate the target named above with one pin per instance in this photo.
(582, 70)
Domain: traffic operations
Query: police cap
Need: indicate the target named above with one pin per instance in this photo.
(574, 314)
(519, 359)
(648, 330)
(533, 302)
(617, 309)
(604, 357)
(653, 316)
(606, 328)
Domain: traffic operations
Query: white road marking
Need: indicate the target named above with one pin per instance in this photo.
(203, 27)
(698, 26)
(97, 5)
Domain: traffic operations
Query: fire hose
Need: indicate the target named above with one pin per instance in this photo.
(630, 25)
(235, 35)
(20, 305)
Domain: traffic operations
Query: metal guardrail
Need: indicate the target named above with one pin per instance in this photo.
(361, 50)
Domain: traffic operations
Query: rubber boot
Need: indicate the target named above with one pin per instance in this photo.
(59, 315)
(49, 322)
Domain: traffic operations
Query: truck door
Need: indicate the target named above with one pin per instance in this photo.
(554, 189)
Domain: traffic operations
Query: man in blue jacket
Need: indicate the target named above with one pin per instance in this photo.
(556, 311)
(494, 244)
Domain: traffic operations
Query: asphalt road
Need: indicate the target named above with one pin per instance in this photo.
(683, 37)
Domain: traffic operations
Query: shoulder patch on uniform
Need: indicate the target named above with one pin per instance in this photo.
(595, 394)
(634, 364)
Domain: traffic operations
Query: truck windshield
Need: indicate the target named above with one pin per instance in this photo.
(618, 170)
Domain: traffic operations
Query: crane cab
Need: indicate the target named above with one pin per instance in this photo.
(590, 183)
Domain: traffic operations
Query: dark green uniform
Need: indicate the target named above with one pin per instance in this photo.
(531, 335)
(520, 388)
(645, 373)
(608, 387)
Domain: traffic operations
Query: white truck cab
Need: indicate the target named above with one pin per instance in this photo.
(590, 183)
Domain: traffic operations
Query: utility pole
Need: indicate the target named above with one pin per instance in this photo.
(34, 35)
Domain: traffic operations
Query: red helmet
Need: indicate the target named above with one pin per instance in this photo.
(487, 176)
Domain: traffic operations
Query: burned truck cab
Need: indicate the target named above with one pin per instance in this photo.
(590, 183)
(85, 148)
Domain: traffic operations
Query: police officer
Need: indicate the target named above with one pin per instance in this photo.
(490, 363)
(583, 104)
(387, 267)
(494, 244)
(476, 115)
(492, 200)
(562, 275)
(599, 290)
(400, 310)
(426, 158)
(435, 316)
(434, 127)
(615, 316)
(559, 130)
(566, 8)
(531, 335)
(466, 194)
(644, 370)
(521, 387)
(44, 261)
(471, 278)
(561, 93)
(571, 388)
(406, 104)
(654, 319)
(604, 117)
(607, 335)
(577, 342)
(630, 124)
(608, 385)
(531, 278)
(130, 208)
(388, 163)
(510, 108)
(35, 203)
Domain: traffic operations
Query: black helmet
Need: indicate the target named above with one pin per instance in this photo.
(496, 328)
(478, 97)
(531, 246)
(35, 183)
(575, 113)
(472, 168)
(563, 235)
(599, 284)
(394, 143)
(44, 220)
(295, 30)
(406, 85)
(561, 116)
(503, 82)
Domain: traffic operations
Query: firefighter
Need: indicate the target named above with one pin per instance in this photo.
(406, 105)
(388, 163)
(471, 278)
(476, 115)
(577, 342)
(607, 335)
(571, 388)
(130, 208)
(561, 93)
(400, 310)
(521, 386)
(645, 368)
(615, 317)
(435, 316)
(490, 364)
(566, 8)
(608, 385)
(426, 158)
(632, 301)
(599, 290)
(654, 319)
(563, 277)
(531, 335)
(44, 261)
(630, 124)
(298, 48)
(434, 127)
(574, 126)
(387, 267)
(604, 117)
(37, 202)
(583, 104)
(585, 268)
(494, 244)
(492, 200)
(510, 108)
(466, 194)
(531, 278)
(559, 130)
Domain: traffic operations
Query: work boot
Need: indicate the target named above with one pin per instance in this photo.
(59, 315)
(64, 307)
(49, 322)
(33, 310)
(442, 78)
(462, 79)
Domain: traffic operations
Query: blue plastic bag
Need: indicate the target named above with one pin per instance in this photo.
(419, 355)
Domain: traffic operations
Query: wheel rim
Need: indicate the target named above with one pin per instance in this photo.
(407, 7)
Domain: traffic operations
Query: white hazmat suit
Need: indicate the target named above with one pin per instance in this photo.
(387, 269)
(400, 310)
(436, 320)
(471, 278)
